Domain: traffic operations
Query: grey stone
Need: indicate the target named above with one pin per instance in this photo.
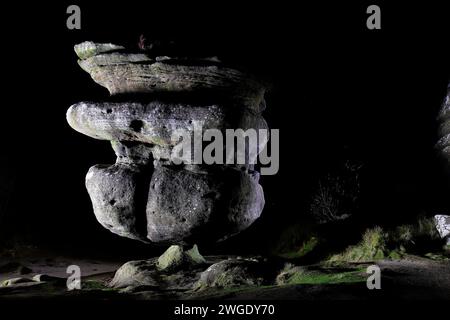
(132, 152)
(152, 123)
(147, 194)
(118, 196)
(443, 145)
(176, 257)
(89, 49)
(233, 273)
(189, 207)
(156, 125)
(122, 72)
(14, 281)
(136, 273)
(443, 225)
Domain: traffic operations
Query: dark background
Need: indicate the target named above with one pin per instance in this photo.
(339, 91)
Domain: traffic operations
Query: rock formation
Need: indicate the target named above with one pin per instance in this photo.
(145, 195)
(443, 227)
(443, 144)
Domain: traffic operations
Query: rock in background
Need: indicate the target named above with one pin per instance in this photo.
(443, 144)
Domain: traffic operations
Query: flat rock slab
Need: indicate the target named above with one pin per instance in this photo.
(127, 72)
(160, 126)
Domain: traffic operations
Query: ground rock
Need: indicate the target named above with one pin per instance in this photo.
(233, 273)
(175, 257)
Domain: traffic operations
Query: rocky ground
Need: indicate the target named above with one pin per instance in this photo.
(223, 277)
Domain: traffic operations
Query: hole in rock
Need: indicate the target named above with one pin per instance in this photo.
(112, 202)
(136, 125)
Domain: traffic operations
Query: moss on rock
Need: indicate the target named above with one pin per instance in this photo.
(301, 275)
(175, 257)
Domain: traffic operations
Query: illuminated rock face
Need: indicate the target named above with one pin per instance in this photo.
(443, 144)
(145, 195)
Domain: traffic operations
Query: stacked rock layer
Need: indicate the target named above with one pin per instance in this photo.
(145, 195)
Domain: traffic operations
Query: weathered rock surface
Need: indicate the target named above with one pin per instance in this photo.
(14, 281)
(176, 257)
(443, 144)
(158, 125)
(235, 272)
(176, 269)
(89, 49)
(136, 273)
(118, 194)
(443, 226)
(155, 191)
(122, 72)
(172, 205)
(196, 207)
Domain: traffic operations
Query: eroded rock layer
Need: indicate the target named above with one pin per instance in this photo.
(151, 194)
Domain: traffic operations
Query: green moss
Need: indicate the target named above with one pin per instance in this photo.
(295, 241)
(436, 256)
(395, 255)
(171, 258)
(95, 285)
(308, 246)
(86, 52)
(298, 275)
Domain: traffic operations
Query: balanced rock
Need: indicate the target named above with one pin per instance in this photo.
(152, 193)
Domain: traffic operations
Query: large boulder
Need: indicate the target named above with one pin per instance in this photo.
(118, 195)
(195, 206)
(236, 272)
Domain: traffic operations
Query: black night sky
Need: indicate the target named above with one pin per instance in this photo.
(339, 92)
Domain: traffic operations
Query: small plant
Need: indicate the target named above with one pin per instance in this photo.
(337, 195)
(372, 247)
